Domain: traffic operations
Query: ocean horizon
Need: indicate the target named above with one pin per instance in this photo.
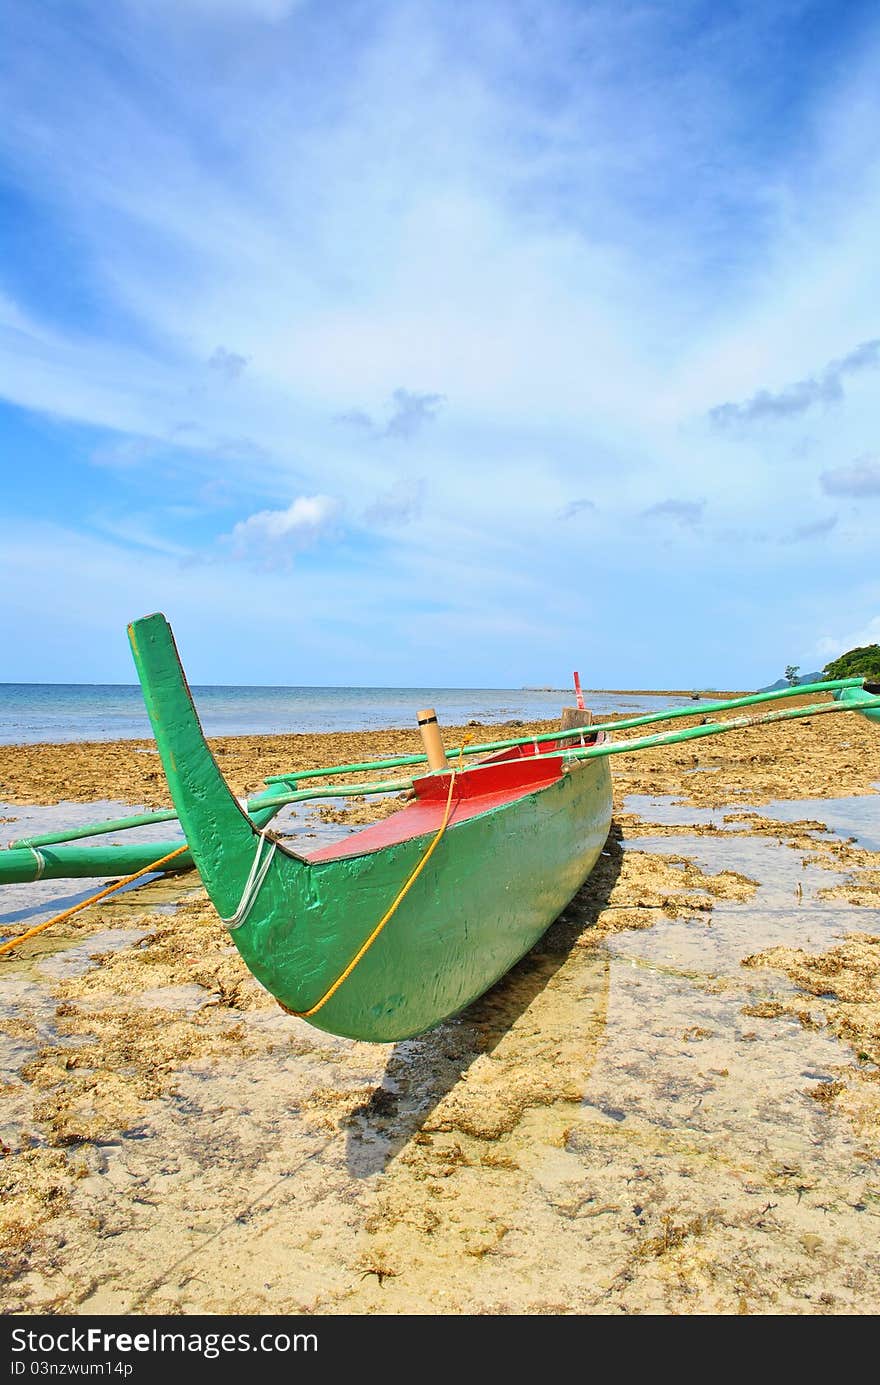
(31, 713)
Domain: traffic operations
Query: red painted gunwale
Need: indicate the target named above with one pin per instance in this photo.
(493, 783)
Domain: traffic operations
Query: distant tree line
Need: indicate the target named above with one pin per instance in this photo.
(863, 662)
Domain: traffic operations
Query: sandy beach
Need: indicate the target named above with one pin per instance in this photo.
(671, 1105)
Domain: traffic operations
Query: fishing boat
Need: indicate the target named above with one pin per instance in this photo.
(400, 925)
(360, 937)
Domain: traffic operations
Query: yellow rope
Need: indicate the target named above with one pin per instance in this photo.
(365, 947)
(31, 932)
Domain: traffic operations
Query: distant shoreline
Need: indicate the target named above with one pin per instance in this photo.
(663, 692)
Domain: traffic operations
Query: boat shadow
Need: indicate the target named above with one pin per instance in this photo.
(534, 1059)
(36, 909)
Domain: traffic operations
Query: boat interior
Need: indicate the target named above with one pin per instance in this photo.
(479, 787)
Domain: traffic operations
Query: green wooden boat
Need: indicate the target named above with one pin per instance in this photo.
(466, 877)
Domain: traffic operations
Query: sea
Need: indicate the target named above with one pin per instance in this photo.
(55, 712)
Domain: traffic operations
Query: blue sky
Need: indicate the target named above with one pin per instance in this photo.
(431, 344)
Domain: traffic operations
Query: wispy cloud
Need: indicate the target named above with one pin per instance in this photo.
(401, 504)
(824, 388)
(860, 479)
(410, 411)
(232, 12)
(818, 529)
(138, 530)
(229, 364)
(575, 507)
(688, 513)
(355, 418)
(124, 452)
(273, 11)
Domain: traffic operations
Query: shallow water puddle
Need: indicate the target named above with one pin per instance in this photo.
(701, 1109)
(26, 904)
(857, 818)
(853, 818)
(27, 1001)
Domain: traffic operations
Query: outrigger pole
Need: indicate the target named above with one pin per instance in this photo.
(869, 705)
(834, 685)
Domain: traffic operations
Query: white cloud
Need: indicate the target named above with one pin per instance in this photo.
(834, 645)
(270, 535)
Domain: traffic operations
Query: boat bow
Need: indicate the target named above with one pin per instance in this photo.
(511, 859)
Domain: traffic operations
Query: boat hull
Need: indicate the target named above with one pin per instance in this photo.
(495, 884)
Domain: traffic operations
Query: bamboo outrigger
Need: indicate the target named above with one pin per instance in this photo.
(402, 924)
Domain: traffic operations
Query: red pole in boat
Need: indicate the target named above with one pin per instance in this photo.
(577, 688)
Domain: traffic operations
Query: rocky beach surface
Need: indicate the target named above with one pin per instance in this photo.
(671, 1105)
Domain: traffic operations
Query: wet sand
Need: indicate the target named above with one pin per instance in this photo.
(670, 1106)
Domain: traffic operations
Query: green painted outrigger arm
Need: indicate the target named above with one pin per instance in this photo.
(26, 864)
(493, 885)
(728, 704)
(51, 857)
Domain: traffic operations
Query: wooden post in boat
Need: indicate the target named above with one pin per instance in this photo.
(575, 716)
(431, 740)
(579, 715)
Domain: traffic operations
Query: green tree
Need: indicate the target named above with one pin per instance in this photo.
(791, 674)
(863, 662)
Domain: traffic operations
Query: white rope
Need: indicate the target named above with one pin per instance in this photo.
(259, 870)
(41, 862)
